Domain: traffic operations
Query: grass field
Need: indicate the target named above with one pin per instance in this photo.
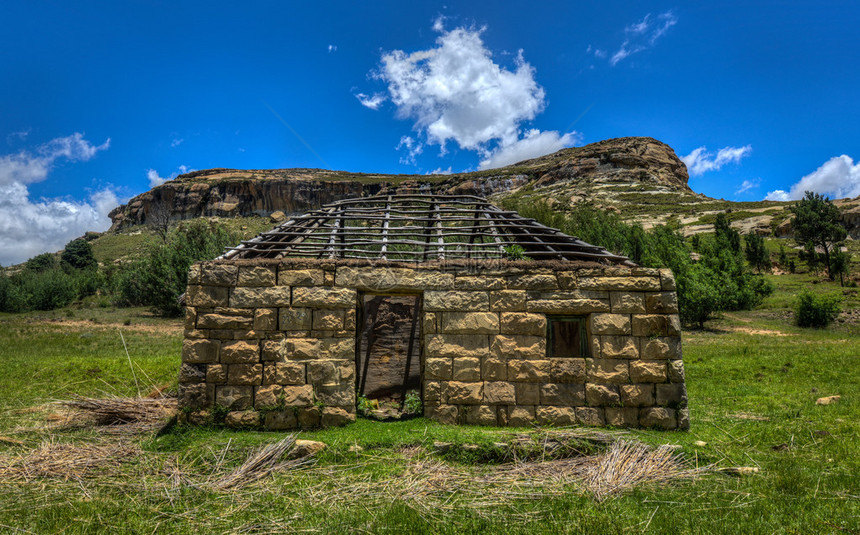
(753, 380)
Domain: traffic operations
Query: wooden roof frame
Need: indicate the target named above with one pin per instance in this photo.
(417, 228)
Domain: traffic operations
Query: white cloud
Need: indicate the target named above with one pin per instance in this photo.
(28, 227)
(371, 101)
(413, 148)
(332, 48)
(156, 180)
(456, 92)
(440, 171)
(640, 36)
(838, 177)
(701, 161)
(747, 185)
(176, 142)
(533, 144)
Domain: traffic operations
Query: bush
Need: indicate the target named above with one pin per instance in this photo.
(816, 310)
(78, 254)
(47, 290)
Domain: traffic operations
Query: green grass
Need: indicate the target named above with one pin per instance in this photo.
(753, 379)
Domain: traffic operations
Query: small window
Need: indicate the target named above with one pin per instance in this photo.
(567, 337)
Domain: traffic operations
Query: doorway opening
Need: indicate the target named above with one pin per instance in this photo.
(388, 356)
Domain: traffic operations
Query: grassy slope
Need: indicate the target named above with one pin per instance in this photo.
(752, 378)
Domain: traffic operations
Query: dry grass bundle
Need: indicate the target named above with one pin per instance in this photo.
(258, 465)
(119, 414)
(66, 461)
(628, 464)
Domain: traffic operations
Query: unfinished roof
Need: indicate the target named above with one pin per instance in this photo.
(417, 228)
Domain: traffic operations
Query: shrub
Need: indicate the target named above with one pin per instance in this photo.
(78, 254)
(816, 310)
(41, 262)
(47, 290)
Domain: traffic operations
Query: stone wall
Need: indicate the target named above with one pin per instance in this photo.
(272, 343)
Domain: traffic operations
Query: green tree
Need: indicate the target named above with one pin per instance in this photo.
(42, 262)
(840, 263)
(817, 225)
(756, 252)
(725, 234)
(78, 254)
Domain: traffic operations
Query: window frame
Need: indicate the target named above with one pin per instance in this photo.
(582, 320)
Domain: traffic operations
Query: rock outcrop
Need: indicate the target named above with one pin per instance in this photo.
(231, 192)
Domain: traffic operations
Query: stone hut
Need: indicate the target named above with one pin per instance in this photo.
(493, 319)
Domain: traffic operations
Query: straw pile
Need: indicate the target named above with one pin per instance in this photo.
(258, 465)
(119, 415)
(66, 461)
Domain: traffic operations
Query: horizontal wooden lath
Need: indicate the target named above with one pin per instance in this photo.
(417, 228)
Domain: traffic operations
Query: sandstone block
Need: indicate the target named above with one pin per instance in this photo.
(667, 280)
(673, 327)
(218, 274)
(499, 392)
(444, 414)
(566, 295)
(536, 371)
(641, 395)
(659, 417)
(457, 345)
(321, 297)
(235, 398)
(328, 320)
(527, 393)
(568, 306)
(464, 393)
(428, 326)
(648, 371)
(567, 370)
(566, 280)
(240, 352)
(607, 371)
(198, 417)
(610, 324)
(190, 318)
(661, 303)
(281, 420)
(590, 416)
(676, 371)
(267, 397)
(194, 274)
(508, 300)
(627, 302)
(660, 348)
(216, 373)
(278, 296)
(564, 395)
(302, 348)
(470, 322)
(618, 347)
(266, 319)
(346, 371)
(295, 319)
(493, 369)
(460, 301)
(272, 350)
(300, 277)
(390, 278)
(298, 396)
(523, 323)
(557, 416)
(242, 419)
(480, 415)
(192, 373)
(196, 395)
(439, 369)
(432, 392)
(521, 416)
(467, 369)
(599, 395)
(284, 373)
(200, 351)
(323, 373)
(622, 416)
(518, 347)
(672, 395)
(336, 395)
(684, 419)
(635, 284)
(245, 374)
(467, 282)
(207, 296)
(650, 325)
(256, 276)
(309, 417)
(532, 281)
(335, 417)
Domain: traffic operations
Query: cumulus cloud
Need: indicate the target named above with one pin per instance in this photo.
(29, 227)
(640, 36)
(440, 171)
(371, 101)
(534, 143)
(156, 180)
(701, 161)
(455, 92)
(838, 177)
(747, 185)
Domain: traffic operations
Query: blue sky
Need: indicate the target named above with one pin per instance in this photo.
(100, 100)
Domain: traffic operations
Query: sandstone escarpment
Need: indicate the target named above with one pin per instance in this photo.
(231, 192)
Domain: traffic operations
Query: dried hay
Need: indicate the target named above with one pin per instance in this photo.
(66, 461)
(117, 414)
(259, 464)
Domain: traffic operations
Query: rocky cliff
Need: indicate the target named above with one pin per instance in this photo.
(232, 192)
